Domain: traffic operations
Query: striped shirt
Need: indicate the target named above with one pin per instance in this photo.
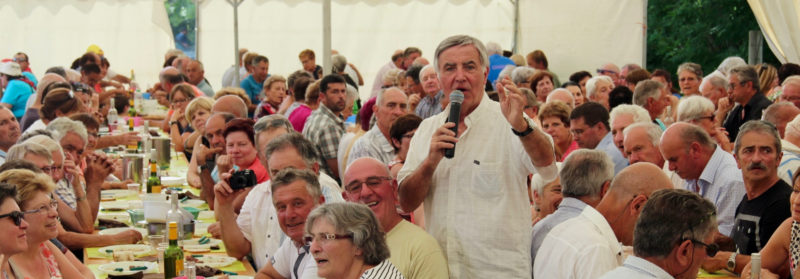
(429, 105)
(384, 270)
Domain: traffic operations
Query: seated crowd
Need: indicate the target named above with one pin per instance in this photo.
(702, 175)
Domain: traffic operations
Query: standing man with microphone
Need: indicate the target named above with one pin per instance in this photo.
(476, 203)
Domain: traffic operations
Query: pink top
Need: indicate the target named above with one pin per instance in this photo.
(298, 117)
(261, 173)
(52, 265)
(572, 147)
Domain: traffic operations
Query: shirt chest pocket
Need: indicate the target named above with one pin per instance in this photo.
(485, 179)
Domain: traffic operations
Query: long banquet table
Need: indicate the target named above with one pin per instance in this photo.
(93, 258)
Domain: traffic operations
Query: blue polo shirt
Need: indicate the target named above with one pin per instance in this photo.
(252, 87)
(16, 95)
(496, 64)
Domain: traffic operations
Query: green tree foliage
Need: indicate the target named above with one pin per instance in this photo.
(700, 31)
(182, 16)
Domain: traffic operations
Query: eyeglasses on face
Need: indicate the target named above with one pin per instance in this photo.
(372, 182)
(15, 216)
(44, 208)
(711, 249)
(325, 237)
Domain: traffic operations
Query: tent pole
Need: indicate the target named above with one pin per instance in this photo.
(197, 29)
(644, 36)
(235, 4)
(515, 38)
(326, 37)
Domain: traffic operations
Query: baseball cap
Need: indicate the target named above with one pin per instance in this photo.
(10, 68)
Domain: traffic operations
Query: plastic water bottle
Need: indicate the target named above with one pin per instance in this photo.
(755, 265)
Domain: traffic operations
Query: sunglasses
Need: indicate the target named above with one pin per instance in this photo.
(711, 249)
(16, 216)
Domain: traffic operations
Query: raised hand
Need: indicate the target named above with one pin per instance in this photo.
(512, 103)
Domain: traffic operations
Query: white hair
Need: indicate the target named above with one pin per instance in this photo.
(493, 48)
(522, 74)
(425, 68)
(48, 143)
(795, 80)
(729, 63)
(717, 81)
(554, 93)
(64, 125)
(506, 72)
(537, 183)
(693, 107)
(639, 114)
(653, 131)
(591, 85)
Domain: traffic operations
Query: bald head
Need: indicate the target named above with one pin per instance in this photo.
(231, 104)
(365, 164)
(627, 195)
(779, 114)
(563, 95)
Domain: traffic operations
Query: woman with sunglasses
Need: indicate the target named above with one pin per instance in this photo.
(42, 259)
(12, 226)
(347, 242)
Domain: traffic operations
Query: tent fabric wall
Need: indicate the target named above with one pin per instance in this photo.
(575, 34)
(133, 34)
(583, 35)
(780, 24)
(367, 32)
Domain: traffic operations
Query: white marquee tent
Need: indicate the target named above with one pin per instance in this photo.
(134, 34)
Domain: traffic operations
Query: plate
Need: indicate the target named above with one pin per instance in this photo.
(215, 261)
(206, 214)
(172, 180)
(193, 203)
(119, 230)
(110, 268)
(117, 193)
(137, 249)
(116, 216)
(194, 246)
(232, 277)
(114, 205)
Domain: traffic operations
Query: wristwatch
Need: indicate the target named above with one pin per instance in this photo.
(732, 261)
(173, 123)
(523, 133)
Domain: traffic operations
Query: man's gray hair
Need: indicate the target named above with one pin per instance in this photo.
(746, 73)
(729, 63)
(379, 97)
(694, 107)
(358, 221)
(591, 85)
(296, 140)
(506, 72)
(339, 62)
(49, 143)
(425, 68)
(794, 80)
(759, 126)
(652, 130)
(287, 176)
(462, 40)
(18, 151)
(63, 125)
(716, 81)
(773, 112)
(269, 123)
(351, 94)
(691, 67)
(493, 48)
(522, 74)
(645, 90)
(537, 183)
(639, 113)
(670, 217)
(584, 172)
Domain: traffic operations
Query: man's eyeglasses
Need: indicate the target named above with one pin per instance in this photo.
(16, 216)
(732, 85)
(710, 118)
(325, 237)
(711, 249)
(19, 60)
(44, 208)
(51, 169)
(372, 182)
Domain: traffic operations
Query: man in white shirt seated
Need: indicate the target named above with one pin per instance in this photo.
(415, 253)
(673, 236)
(256, 231)
(376, 143)
(588, 245)
(295, 194)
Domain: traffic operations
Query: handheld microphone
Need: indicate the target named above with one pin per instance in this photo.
(456, 98)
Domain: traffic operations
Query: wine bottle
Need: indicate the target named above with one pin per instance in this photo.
(173, 255)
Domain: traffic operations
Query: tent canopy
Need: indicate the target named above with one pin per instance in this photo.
(574, 34)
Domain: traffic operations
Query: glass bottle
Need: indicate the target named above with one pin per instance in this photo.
(173, 255)
(112, 116)
(154, 181)
(174, 214)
